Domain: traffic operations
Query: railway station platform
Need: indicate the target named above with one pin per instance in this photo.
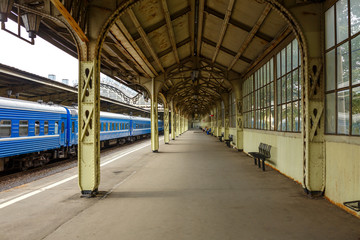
(194, 188)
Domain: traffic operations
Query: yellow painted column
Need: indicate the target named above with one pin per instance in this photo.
(154, 119)
(173, 135)
(166, 125)
(182, 124)
(178, 124)
(218, 119)
(225, 98)
(237, 88)
(89, 127)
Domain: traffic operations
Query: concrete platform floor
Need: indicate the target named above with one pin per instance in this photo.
(194, 188)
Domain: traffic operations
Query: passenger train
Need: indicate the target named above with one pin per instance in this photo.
(32, 134)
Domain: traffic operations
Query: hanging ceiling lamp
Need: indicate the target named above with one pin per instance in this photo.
(32, 23)
(5, 8)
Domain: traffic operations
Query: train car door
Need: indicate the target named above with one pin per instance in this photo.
(62, 132)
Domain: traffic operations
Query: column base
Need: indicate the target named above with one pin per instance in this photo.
(313, 194)
(89, 193)
(155, 151)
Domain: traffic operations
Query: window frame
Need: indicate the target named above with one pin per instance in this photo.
(334, 88)
(7, 125)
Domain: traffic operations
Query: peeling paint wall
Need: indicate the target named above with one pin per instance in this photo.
(342, 172)
(286, 150)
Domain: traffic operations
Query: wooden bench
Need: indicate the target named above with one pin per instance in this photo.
(221, 137)
(262, 155)
(228, 141)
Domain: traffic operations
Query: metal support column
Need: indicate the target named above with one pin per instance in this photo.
(178, 123)
(166, 125)
(154, 118)
(173, 135)
(237, 88)
(218, 119)
(182, 124)
(227, 117)
(89, 128)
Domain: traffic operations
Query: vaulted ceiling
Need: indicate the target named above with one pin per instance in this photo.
(195, 44)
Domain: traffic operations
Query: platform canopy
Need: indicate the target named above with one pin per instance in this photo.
(195, 44)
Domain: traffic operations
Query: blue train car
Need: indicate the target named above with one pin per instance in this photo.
(140, 126)
(27, 127)
(32, 134)
(114, 128)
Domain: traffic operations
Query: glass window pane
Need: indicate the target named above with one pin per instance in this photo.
(283, 87)
(279, 118)
(295, 117)
(295, 54)
(284, 116)
(355, 16)
(355, 59)
(283, 62)
(279, 91)
(23, 128)
(356, 111)
(56, 131)
(288, 117)
(46, 128)
(343, 106)
(341, 20)
(300, 84)
(5, 128)
(37, 128)
(343, 65)
(288, 87)
(288, 58)
(295, 85)
(272, 93)
(329, 28)
(278, 66)
(272, 118)
(330, 70)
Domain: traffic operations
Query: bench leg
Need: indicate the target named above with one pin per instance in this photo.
(263, 164)
(259, 161)
(255, 161)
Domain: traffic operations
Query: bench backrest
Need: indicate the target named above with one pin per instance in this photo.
(265, 149)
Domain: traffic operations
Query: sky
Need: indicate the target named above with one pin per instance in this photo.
(41, 59)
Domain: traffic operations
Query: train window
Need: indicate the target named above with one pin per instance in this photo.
(56, 131)
(72, 127)
(23, 128)
(37, 128)
(46, 127)
(5, 128)
(113, 126)
(108, 126)
(62, 127)
(137, 126)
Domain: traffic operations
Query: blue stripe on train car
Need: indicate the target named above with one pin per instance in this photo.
(23, 145)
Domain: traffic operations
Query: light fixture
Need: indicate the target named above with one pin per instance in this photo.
(9, 92)
(5, 8)
(194, 75)
(32, 23)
